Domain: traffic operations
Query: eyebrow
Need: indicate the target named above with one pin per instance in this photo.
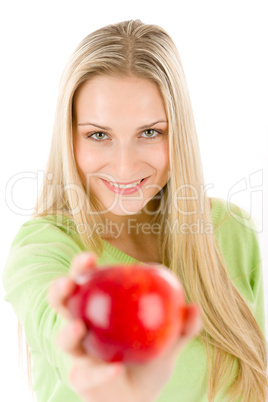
(109, 128)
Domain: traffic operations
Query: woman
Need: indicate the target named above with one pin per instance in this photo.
(124, 183)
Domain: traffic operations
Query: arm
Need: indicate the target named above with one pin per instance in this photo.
(41, 252)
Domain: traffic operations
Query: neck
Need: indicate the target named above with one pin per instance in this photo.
(129, 226)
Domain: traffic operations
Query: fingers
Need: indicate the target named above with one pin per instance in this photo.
(86, 378)
(70, 338)
(62, 288)
(193, 322)
(87, 371)
(81, 264)
(192, 326)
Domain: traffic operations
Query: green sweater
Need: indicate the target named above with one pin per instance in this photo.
(43, 250)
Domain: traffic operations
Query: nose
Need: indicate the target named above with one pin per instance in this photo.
(126, 163)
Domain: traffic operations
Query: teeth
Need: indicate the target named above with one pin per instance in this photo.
(125, 185)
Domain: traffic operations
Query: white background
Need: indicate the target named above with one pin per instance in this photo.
(223, 47)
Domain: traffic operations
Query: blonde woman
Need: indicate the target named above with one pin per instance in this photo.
(124, 184)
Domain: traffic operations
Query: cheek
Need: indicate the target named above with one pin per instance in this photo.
(163, 166)
(160, 159)
(87, 160)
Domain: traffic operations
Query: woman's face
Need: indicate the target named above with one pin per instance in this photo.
(121, 141)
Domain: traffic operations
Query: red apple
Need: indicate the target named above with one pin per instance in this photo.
(132, 312)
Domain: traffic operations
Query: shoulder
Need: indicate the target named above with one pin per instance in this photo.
(234, 228)
(46, 229)
(236, 235)
(42, 247)
(43, 241)
(225, 212)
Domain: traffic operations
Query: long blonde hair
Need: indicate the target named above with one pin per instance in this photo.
(132, 48)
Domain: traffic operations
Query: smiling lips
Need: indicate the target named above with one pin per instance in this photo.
(130, 185)
(125, 188)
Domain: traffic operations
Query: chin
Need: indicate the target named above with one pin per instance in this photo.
(125, 211)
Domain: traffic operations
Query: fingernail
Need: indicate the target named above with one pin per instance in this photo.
(82, 278)
(84, 257)
(61, 282)
(113, 369)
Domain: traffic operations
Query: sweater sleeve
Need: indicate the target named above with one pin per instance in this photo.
(256, 283)
(237, 236)
(40, 252)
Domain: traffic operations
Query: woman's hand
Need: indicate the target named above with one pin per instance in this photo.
(98, 381)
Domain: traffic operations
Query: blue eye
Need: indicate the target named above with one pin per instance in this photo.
(150, 133)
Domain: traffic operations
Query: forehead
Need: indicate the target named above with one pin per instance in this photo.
(117, 96)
